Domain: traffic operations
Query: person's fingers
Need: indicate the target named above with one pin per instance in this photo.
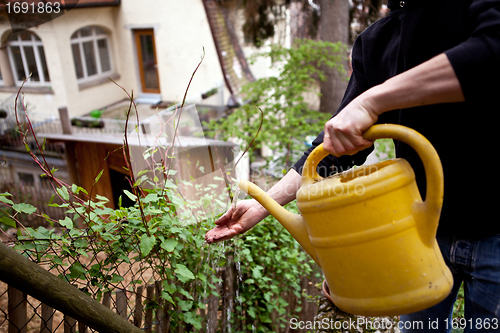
(216, 235)
(343, 145)
(234, 222)
(220, 238)
(221, 233)
(343, 142)
(335, 142)
(232, 214)
(225, 218)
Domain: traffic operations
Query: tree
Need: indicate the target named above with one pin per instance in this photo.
(333, 27)
(304, 18)
(327, 20)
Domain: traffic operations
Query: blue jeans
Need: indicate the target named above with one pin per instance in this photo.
(476, 263)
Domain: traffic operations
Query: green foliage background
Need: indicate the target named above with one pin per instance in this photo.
(269, 262)
(286, 116)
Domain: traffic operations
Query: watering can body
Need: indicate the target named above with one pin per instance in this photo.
(370, 231)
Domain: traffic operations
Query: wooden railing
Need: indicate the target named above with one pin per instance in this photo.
(34, 300)
(18, 316)
(22, 274)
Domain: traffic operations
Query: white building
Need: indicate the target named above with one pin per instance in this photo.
(149, 47)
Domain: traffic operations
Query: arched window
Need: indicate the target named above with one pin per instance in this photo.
(28, 57)
(90, 46)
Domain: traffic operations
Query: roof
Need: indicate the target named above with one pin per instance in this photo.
(233, 62)
(145, 140)
(88, 3)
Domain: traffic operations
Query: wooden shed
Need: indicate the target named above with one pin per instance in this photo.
(194, 160)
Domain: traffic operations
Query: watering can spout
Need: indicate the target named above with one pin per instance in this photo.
(293, 223)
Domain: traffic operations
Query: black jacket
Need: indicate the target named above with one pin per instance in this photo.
(468, 32)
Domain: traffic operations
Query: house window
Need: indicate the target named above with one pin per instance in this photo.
(26, 178)
(90, 46)
(28, 57)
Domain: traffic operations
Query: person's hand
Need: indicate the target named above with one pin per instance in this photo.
(236, 221)
(344, 132)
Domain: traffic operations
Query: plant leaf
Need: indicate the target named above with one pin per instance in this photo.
(63, 192)
(101, 198)
(185, 305)
(256, 273)
(193, 319)
(147, 244)
(183, 273)
(24, 208)
(131, 196)
(116, 278)
(98, 176)
(8, 221)
(152, 197)
(169, 244)
(5, 200)
(167, 297)
(67, 223)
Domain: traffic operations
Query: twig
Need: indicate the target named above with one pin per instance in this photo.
(182, 105)
(128, 160)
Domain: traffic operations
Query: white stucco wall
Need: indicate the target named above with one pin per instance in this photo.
(181, 33)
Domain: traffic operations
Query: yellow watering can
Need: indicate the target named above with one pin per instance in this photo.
(370, 231)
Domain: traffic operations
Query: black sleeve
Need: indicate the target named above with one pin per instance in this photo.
(476, 61)
(331, 164)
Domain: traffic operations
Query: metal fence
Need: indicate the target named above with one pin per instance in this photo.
(137, 297)
(131, 287)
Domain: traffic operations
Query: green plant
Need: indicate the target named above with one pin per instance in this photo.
(166, 243)
(96, 113)
(384, 149)
(269, 262)
(272, 264)
(287, 117)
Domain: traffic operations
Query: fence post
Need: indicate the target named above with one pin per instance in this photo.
(106, 299)
(82, 328)
(138, 307)
(159, 311)
(148, 321)
(121, 303)
(47, 319)
(69, 324)
(162, 316)
(19, 272)
(17, 310)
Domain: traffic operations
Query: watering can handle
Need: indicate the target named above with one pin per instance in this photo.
(427, 153)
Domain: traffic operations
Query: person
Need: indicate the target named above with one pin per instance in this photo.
(434, 66)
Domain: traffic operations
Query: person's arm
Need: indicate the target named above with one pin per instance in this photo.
(432, 82)
(249, 212)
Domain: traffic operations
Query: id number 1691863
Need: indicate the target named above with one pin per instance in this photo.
(25, 7)
(478, 323)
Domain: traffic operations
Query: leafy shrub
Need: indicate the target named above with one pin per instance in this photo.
(167, 244)
(272, 265)
(287, 117)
